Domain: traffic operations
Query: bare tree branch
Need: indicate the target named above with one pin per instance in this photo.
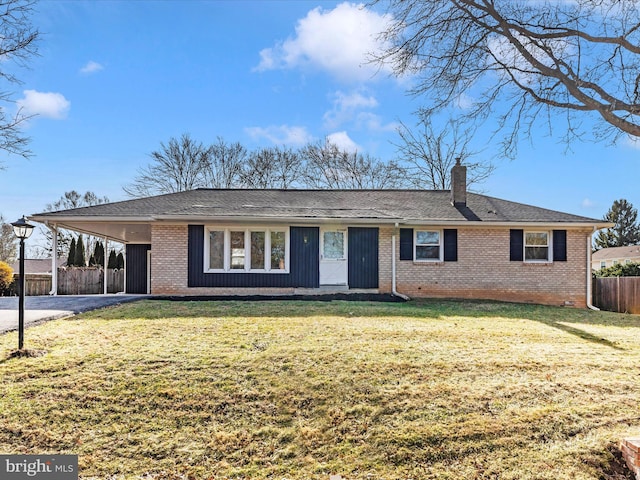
(328, 167)
(432, 153)
(580, 56)
(18, 43)
(178, 166)
(273, 167)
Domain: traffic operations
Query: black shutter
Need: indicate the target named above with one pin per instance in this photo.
(559, 245)
(451, 245)
(516, 246)
(406, 244)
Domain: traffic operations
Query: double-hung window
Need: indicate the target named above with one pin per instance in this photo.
(427, 245)
(251, 249)
(537, 247)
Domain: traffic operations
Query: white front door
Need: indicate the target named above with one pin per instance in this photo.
(333, 256)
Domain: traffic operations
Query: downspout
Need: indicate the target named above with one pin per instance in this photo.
(589, 274)
(54, 258)
(393, 266)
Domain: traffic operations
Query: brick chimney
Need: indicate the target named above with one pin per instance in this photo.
(459, 184)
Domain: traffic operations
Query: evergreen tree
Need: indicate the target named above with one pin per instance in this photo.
(113, 260)
(626, 230)
(97, 259)
(79, 259)
(120, 261)
(100, 254)
(71, 259)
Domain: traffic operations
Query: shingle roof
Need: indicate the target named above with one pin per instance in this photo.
(131, 220)
(389, 205)
(617, 253)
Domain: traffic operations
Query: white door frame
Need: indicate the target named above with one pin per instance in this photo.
(333, 271)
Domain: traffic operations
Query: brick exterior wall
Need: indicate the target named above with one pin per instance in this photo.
(168, 259)
(483, 270)
(169, 266)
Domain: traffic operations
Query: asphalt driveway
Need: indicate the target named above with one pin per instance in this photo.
(42, 308)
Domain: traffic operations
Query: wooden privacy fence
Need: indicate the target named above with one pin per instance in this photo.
(72, 281)
(617, 294)
(86, 281)
(36, 284)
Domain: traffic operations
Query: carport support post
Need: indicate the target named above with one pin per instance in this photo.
(54, 260)
(104, 266)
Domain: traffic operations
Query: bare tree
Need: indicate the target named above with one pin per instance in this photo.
(225, 166)
(19, 39)
(431, 153)
(520, 60)
(74, 199)
(273, 167)
(178, 166)
(8, 242)
(326, 166)
(69, 200)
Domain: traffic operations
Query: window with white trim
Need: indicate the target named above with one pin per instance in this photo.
(537, 247)
(427, 246)
(246, 249)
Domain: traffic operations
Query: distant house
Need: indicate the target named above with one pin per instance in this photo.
(608, 257)
(37, 266)
(422, 243)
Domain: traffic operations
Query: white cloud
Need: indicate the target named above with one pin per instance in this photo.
(281, 135)
(45, 104)
(507, 54)
(339, 41)
(353, 108)
(373, 123)
(91, 67)
(343, 142)
(588, 203)
(633, 142)
(464, 101)
(346, 106)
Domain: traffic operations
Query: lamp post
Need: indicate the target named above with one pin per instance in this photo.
(22, 229)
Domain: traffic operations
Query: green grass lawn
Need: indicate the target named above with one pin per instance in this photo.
(304, 390)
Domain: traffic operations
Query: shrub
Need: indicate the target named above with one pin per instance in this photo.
(620, 270)
(6, 277)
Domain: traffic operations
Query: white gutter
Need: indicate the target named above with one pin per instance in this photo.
(393, 266)
(589, 274)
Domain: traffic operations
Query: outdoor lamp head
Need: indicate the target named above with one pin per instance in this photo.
(22, 228)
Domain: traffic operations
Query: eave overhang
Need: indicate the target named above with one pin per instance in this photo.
(137, 229)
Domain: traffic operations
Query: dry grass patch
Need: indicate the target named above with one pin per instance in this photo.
(301, 390)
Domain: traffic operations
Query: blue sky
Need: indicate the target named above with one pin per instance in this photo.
(116, 78)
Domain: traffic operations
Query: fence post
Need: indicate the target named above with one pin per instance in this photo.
(618, 293)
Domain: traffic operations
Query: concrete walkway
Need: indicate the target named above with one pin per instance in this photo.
(43, 308)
